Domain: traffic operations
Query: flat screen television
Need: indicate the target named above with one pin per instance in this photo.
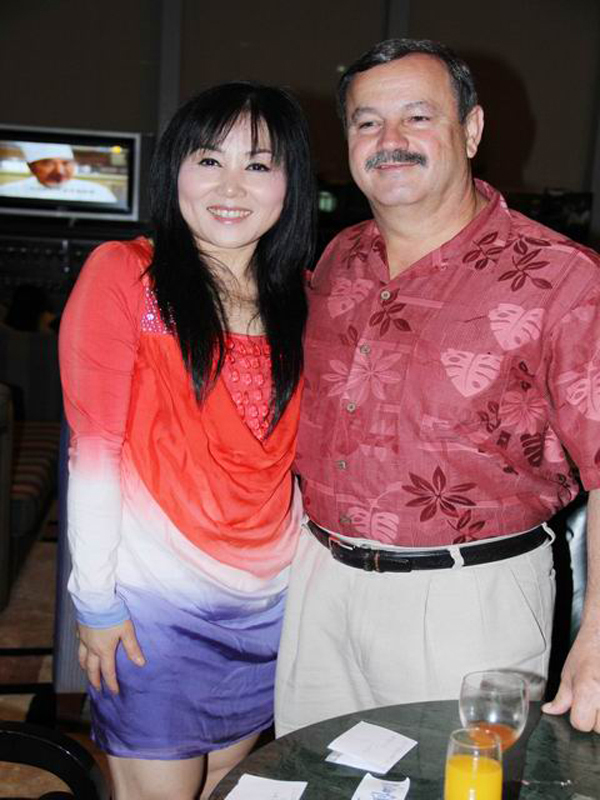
(70, 173)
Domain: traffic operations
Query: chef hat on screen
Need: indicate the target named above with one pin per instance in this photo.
(34, 151)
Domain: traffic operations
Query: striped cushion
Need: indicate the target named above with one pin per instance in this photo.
(35, 456)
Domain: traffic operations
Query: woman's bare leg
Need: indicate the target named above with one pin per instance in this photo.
(144, 779)
(220, 762)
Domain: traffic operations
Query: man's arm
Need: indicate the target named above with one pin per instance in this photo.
(579, 688)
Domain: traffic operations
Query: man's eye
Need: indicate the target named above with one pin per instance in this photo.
(208, 162)
(366, 124)
(419, 118)
(256, 166)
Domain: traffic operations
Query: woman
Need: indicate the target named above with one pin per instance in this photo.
(181, 365)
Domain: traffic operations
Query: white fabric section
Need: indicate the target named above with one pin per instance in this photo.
(130, 541)
(354, 640)
(75, 189)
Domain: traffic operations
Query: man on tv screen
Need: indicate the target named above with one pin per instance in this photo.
(53, 167)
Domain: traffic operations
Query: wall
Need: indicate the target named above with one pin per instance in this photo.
(538, 69)
(91, 64)
(299, 45)
(80, 63)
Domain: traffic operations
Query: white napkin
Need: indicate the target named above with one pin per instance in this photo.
(251, 787)
(371, 788)
(369, 747)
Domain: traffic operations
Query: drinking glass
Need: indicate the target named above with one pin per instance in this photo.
(473, 765)
(497, 701)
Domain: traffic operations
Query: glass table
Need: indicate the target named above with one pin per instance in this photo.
(551, 761)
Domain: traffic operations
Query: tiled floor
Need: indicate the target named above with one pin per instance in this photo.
(28, 622)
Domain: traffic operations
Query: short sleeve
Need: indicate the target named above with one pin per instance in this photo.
(574, 383)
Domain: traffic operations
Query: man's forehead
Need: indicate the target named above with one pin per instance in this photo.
(409, 74)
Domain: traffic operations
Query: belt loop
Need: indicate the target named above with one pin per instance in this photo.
(549, 531)
(454, 551)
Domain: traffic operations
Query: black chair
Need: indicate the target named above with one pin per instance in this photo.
(21, 743)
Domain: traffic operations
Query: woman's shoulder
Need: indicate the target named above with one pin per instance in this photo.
(133, 255)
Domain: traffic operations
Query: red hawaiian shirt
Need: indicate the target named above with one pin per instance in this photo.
(459, 400)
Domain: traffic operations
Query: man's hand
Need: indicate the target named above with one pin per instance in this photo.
(97, 648)
(579, 688)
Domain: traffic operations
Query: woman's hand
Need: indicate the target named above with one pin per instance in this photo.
(97, 647)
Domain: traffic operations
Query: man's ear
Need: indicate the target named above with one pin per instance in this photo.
(473, 130)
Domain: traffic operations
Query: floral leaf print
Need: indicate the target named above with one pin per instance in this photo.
(533, 448)
(513, 326)
(584, 393)
(523, 264)
(503, 439)
(522, 410)
(597, 458)
(373, 524)
(345, 294)
(431, 496)
(389, 315)
(470, 373)
(351, 337)
(553, 449)
(364, 377)
(467, 528)
(484, 251)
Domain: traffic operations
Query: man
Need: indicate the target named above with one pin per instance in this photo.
(53, 168)
(452, 378)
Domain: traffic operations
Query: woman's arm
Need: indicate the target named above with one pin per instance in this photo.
(98, 342)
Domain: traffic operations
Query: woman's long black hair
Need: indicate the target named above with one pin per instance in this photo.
(186, 290)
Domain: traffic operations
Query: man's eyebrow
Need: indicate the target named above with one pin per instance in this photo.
(416, 104)
(360, 110)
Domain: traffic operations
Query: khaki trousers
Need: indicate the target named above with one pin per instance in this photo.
(354, 640)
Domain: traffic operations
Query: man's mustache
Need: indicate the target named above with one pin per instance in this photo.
(395, 157)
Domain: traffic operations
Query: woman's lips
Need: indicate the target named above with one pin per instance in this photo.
(225, 214)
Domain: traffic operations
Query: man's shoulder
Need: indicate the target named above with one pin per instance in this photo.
(342, 246)
(534, 234)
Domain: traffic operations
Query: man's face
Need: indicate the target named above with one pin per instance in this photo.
(52, 172)
(406, 145)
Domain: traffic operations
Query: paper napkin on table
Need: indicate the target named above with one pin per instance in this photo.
(251, 787)
(371, 787)
(369, 747)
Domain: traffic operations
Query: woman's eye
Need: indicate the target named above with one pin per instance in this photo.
(208, 162)
(258, 167)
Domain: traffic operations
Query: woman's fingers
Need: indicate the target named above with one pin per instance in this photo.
(97, 649)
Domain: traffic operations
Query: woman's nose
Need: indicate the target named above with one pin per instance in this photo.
(231, 185)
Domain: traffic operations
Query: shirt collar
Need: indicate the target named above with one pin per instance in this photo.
(492, 221)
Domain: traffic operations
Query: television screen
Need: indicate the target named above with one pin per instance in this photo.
(69, 173)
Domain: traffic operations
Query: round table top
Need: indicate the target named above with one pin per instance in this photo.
(551, 760)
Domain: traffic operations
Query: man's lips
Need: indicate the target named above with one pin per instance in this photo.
(225, 214)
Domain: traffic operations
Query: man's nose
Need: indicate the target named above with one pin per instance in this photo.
(393, 136)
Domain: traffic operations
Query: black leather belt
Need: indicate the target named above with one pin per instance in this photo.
(373, 560)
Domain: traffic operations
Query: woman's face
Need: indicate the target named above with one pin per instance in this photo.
(231, 195)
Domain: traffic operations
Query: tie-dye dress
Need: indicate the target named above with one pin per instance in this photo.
(182, 518)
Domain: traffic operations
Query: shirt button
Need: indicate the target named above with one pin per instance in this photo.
(385, 295)
(341, 464)
(351, 407)
(365, 349)
(344, 519)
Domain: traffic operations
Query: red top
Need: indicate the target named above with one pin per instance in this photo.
(130, 404)
(440, 406)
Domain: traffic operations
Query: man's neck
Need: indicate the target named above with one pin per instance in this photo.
(413, 231)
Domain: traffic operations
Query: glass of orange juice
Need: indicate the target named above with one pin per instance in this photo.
(473, 765)
(497, 700)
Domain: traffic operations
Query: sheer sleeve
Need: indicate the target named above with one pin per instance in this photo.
(98, 342)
